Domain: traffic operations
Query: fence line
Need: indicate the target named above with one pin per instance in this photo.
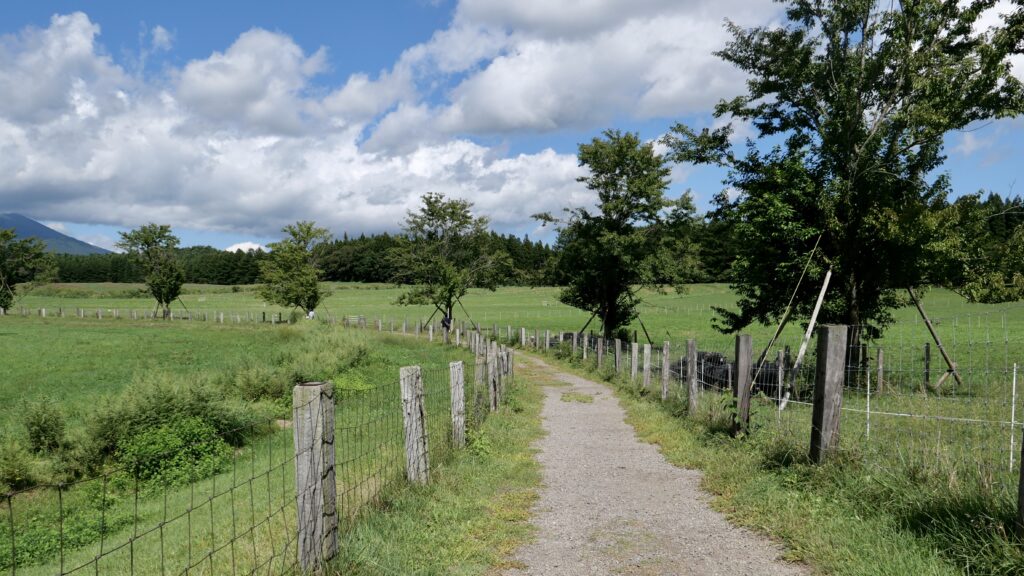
(274, 502)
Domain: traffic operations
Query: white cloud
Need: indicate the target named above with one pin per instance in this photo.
(257, 84)
(58, 226)
(162, 39)
(245, 247)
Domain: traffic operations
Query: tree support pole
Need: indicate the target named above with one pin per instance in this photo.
(935, 337)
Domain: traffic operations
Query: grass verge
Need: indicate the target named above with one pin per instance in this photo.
(472, 515)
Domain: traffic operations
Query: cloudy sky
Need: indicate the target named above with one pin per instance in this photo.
(230, 122)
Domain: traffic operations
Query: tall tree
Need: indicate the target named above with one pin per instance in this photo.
(290, 274)
(153, 246)
(851, 100)
(606, 255)
(21, 261)
(445, 251)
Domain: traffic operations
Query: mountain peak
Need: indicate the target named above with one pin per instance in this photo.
(55, 241)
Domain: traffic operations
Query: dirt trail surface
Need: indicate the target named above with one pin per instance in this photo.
(611, 504)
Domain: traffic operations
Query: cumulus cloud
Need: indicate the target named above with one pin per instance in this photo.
(245, 247)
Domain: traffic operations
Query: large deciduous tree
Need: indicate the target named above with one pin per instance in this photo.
(21, 260)
(635, 237)
(290, 274)
(443, 252)
(154, 247)
(850, 100)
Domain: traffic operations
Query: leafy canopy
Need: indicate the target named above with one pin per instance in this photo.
(154, 247)
(636, 236)
(850, 100)
(21, 261)
(443, 252)
(290, 274)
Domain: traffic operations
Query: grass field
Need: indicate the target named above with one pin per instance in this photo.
(934, 464)
(242, 516)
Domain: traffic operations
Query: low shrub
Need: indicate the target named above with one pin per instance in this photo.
(45, 425)
(175, 453)
(17, 469)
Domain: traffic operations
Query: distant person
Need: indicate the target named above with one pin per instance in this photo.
(310, 315)
(446, 322)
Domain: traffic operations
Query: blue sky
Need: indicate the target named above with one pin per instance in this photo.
(228, 120)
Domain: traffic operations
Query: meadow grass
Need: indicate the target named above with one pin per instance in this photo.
(241, 519)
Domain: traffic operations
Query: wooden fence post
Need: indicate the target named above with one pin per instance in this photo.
(741, 383)
(665, 369)
(490, 349)
(600, 352)
(430, 332)
(575, 338)
(522, 337)
(691, 376)
(927, 366)
(315, 486)
(647, 366)
(479, 374)
(618, 356)
(828, 391)
(879, 378)
(634, 357)
(458, 387)
(536, 338)
(547, 340)
(417, 456)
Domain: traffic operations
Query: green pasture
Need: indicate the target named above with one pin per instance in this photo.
(243, 517)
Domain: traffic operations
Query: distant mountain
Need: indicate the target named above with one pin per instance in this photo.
(55, 241)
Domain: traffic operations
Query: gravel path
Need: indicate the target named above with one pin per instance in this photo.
(611, 504)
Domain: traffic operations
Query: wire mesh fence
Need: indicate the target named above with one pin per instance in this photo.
(242, 507)
(905, 411)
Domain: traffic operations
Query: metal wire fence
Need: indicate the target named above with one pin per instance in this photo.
(904, 412)
(241, 508)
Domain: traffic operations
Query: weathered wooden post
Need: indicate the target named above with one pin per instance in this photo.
(458, 338)
(586, 344)
(417, 457)
(458, 387)
(574, 344)
(522, 337)
(647, 366)
(600, 352)
(430, 332)
(879, 380)
(634, 358)
(315, 486)
(479, 374)
(741, 383)
(828, 391)
(927, 366)
(618, 356)
(490, 349)
(665, 370)
(536, 338)
(547, 340)
(691, 375)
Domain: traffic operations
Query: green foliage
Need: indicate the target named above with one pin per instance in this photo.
(17, 470)
(45, 425)
(153, 247)
(290, 275)
(858, 97)
(175, 453)
(158, 402)
(21, 261)
(605, 256)
(444, 252)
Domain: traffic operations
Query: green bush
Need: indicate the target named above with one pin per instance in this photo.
(175, 453)
(17, 469)
(158, 401)
(45, 425)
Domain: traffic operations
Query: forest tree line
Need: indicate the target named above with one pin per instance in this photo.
(711, 245)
